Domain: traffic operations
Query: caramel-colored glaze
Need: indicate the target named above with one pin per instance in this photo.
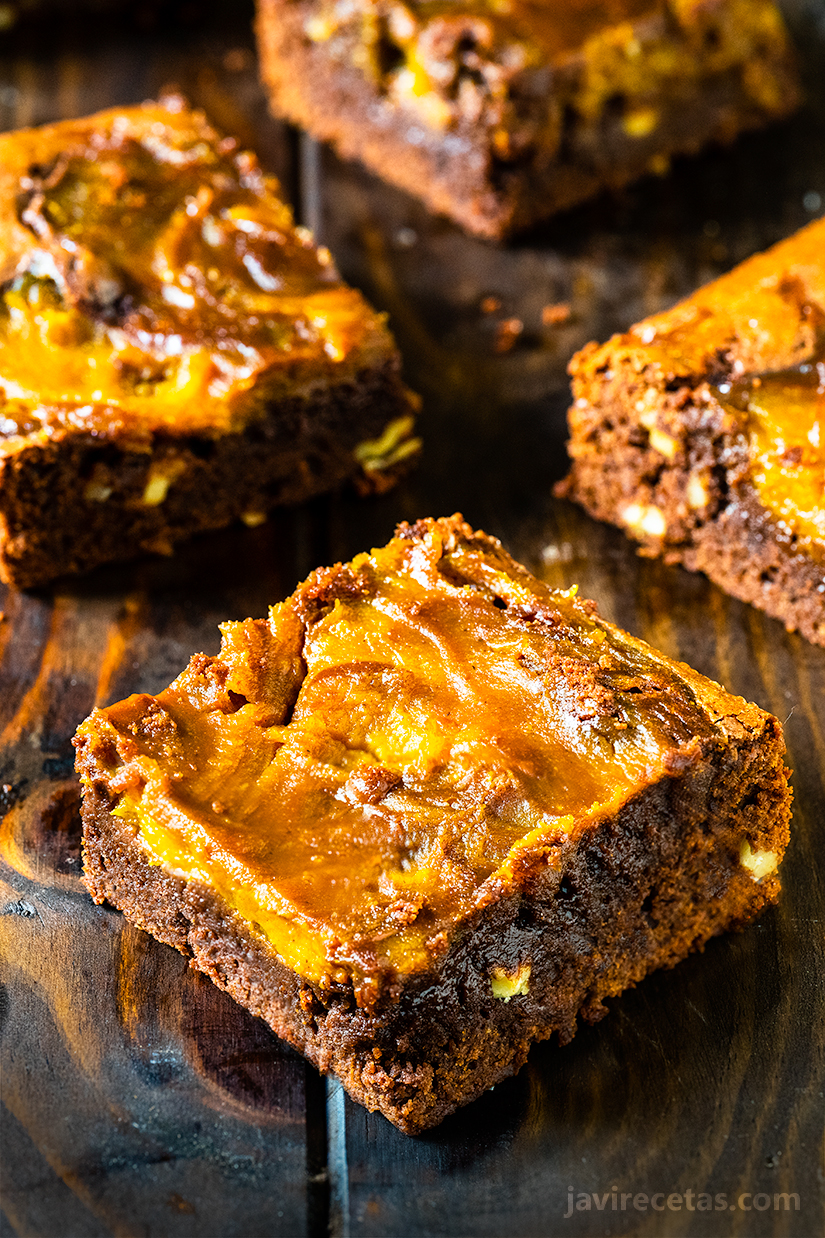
(765, 322)
(763, 315)
(785, 417)
(382, 756)
(153, 279)
(551, 29)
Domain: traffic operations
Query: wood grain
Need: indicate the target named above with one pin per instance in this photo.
(142, 1101)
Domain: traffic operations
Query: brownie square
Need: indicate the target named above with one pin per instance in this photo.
(174, 353)
(701, 432)
(429, 812)
(499, 114)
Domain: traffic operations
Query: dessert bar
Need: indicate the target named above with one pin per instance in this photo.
(147, 14)
(498, 114)
(174, 353)
(701, 432)
(429, 812)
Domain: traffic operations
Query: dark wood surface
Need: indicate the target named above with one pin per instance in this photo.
(139, 1100)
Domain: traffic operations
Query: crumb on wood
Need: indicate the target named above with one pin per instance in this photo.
(237, 59)
(507, 334)
(555, 315)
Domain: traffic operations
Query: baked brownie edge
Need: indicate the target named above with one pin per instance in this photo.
(74, 501)
(636, 890)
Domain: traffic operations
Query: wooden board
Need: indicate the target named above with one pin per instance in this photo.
(142, 1101)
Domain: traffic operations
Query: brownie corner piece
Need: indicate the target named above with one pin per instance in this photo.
(499, 115)
(701, 432)
(429, 812)
(175, 354)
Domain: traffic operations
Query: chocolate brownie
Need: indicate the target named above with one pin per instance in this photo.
(701, 432)
(429, 812)
(174, 353)
(500, 114)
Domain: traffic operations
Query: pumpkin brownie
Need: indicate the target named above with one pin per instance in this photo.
(174, 353)
(498, 114)
(429, 812)
(701, 432)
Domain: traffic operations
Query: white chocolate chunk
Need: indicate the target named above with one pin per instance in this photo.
(663, 443)
(96, 493)
(319, 29)
(697, 493)
(393, 445)
(641, 122)
(510, 984)
(643, 519)
(758, 863)
(159, 480)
